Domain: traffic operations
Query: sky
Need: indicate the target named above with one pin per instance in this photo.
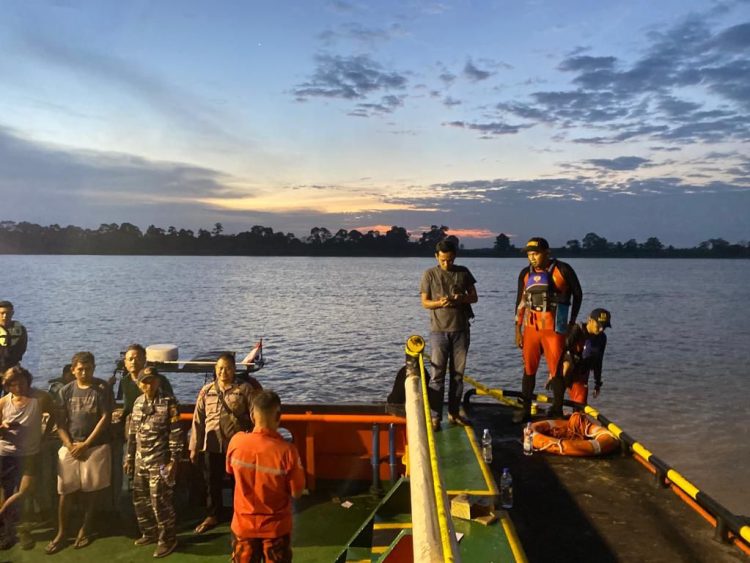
(530, 118)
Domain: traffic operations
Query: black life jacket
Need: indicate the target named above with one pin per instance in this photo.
(9, 337)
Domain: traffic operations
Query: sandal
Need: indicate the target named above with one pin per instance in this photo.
(206, 525)
(54, 546)
(81, 542)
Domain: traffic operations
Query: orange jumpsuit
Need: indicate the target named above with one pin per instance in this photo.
(539, 334)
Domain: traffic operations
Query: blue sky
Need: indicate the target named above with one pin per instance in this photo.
(627, 119)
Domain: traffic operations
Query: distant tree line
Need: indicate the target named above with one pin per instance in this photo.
(592, 245)
(126, 238)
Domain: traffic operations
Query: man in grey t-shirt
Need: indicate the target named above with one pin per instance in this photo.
(448, 291)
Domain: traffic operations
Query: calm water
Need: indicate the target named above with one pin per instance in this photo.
(676, 368)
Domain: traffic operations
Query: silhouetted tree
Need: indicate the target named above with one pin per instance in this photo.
(595, 243)
(430, 238)
(502, 244)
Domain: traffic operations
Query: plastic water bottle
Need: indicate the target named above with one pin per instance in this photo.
(487, 446)
(528, 440)
(506, 489)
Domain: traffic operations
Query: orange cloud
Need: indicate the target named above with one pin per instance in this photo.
(471, 233)
(380, 228)
(416, 233)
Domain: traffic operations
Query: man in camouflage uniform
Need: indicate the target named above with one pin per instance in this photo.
(154, 446)
(13, 338)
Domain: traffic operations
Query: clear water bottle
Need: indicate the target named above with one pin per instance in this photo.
(528, 440)
(487, 446)
(506, 489)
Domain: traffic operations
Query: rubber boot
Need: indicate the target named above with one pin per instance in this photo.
(527, 393)
(558, 392)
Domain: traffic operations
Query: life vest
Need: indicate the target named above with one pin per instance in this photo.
(539, 292)
(9, 337)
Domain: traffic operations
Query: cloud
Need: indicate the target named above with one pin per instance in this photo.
(362, 34)
(447, 78)
(341, 6)
(386, 105)
(615, 100)
(588, 64)
(620, 163)
(475, 74)
(492, 128)
(735, 38)
(99, 70)
(71, 183)
(353, 78)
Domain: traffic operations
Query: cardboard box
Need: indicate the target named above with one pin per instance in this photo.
(470, 507)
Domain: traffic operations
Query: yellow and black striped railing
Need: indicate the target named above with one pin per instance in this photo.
(729, 526)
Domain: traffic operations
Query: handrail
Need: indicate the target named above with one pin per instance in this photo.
(725, 521)
(729, 526)
(436, 481)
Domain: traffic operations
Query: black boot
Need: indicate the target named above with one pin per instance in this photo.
(558, 392)
(527, 393)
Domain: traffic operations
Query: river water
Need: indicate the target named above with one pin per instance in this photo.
(675, 372)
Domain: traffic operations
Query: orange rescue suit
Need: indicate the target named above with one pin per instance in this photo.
(539, 334)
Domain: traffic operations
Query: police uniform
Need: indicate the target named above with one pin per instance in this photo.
(13, 341)
(154, 440)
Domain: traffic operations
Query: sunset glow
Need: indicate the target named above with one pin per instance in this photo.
(632, 118)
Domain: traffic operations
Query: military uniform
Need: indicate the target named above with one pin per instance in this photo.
(154, 440)
(13, 342)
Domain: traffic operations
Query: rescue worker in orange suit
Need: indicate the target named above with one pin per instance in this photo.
(584, 353)
(547, 304)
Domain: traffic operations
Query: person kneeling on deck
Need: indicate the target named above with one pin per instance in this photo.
(268, 473)
(84, 464)
(584, 352)
(154, 447)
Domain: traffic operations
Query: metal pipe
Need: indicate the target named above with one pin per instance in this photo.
(375, 459)
(392, 451)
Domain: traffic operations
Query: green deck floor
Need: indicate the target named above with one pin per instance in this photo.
(460, 462)
(321, 528)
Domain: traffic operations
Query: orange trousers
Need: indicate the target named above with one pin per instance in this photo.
(579, 388)
(537, 341)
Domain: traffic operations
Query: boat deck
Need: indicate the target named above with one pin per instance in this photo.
(566, 509)
(594, 509)
(321, 529)
(322, 526)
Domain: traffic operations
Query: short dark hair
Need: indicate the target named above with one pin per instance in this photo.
(14, 373)
(82, 358)
(138, 348)
(228, 356)
(446, 245)
(266, 402)
(6, 305)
